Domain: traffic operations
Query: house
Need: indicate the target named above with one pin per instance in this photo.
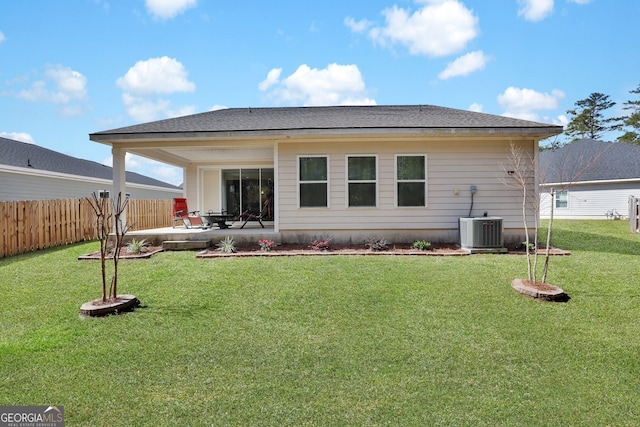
(31, 172)
(591, 179)
(345, 173)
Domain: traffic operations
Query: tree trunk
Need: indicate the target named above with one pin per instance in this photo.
(548, 246)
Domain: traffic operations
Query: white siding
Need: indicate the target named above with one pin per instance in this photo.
(210, 186)
(451, 166)
(592, 201)
(15, 186)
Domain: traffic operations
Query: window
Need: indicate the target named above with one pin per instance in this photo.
(411, 179)
(362, 174)
(562, 200)
(313, 181)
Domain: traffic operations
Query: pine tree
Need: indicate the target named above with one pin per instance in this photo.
(632, 121)
(588, 119)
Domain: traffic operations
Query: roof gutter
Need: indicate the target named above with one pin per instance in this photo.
(601, 181)
(109, 138)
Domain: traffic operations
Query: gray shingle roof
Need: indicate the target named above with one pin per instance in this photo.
(331, 118)
(21, 154)
(599, 161)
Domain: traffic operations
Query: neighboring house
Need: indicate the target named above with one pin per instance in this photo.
(31, 172)
(591, 179)
(343, 173)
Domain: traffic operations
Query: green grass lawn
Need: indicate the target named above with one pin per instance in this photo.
(330, 341)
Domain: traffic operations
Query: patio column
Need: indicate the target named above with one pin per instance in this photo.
(119, 177)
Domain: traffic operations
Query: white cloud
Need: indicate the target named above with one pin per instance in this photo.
(68, 82)
(535, 10)
(439, 28)
(155, 76)
(475, 107)
(465, 65)
(18, 136)
(579, 1)
(2, 37)
(357, 26)
(273, 78)
(334, 85)
(561, 120)
(218, 107)
(146, 80)
(68, 85)
(524, 103)
(145, 110)
(60, 85)
(167, 9)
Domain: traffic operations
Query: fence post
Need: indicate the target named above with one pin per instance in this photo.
(634, 214)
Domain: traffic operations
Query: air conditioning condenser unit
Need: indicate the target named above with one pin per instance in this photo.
(482, 234)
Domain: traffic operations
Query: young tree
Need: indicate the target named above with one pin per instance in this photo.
(119, 231)
(108, 217)
(632, 121)
(103, 223)
(521, 170)
(588, 119)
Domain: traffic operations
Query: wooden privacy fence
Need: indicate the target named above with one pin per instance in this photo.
(37, 224)
(634, 214)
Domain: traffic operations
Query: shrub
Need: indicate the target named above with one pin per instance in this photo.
(137, 246)
(320, 245)
(523, 246)
(265, 245)
(422, 245)
(227, 245)
(377, 244)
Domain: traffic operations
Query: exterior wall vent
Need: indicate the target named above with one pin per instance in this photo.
(482, 234)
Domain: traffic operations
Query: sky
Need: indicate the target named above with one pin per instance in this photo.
(70, 68)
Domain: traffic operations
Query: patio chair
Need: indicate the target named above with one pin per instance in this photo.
(265, 213)
(181, 212)
(247, 216)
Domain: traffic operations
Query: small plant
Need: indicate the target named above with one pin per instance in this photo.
(422, 245)
(227, 245)
(137, 246)
(523, 246)
(320, 245)
(265, 245)
(377, 244)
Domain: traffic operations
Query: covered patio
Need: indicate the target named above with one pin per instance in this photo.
(204, 237)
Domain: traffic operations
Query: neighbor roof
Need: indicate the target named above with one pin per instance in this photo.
(590, 160)
(336, 118)
(21, 154)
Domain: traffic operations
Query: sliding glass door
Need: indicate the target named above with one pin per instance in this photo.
(248, 190)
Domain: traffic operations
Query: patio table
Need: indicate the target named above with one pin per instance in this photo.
(220, 219)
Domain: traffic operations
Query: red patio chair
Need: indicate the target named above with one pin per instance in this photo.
(181, 212)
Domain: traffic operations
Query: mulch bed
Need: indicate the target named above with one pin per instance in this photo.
(292, 249)
(124, 254)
